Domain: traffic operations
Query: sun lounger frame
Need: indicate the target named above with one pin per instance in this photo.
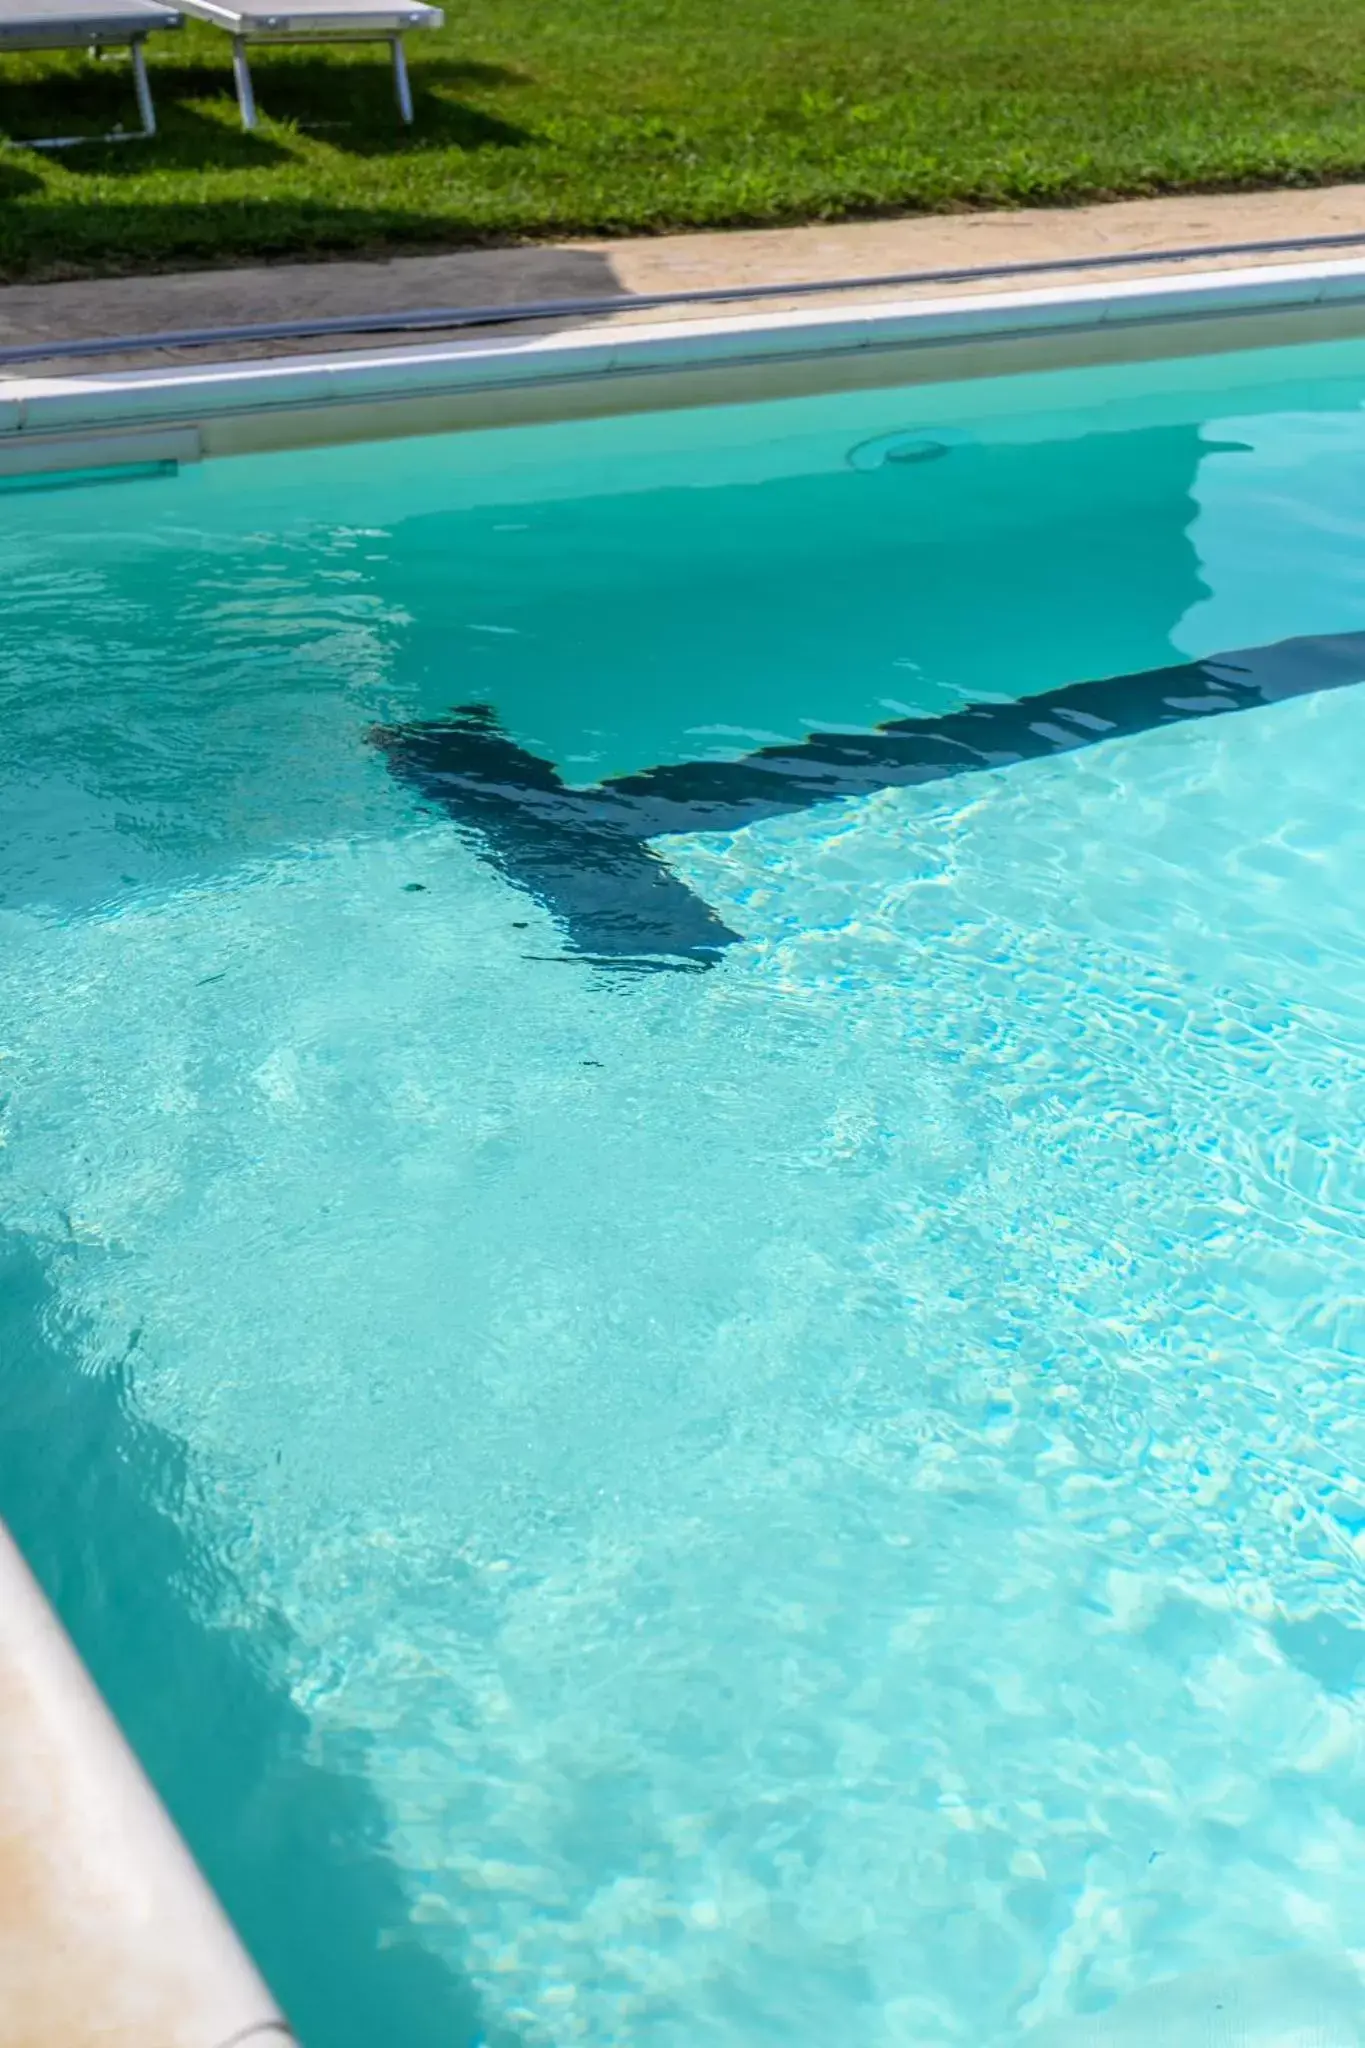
(369, 22)
(123, 24)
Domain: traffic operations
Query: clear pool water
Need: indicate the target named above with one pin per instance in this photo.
(814, 1500)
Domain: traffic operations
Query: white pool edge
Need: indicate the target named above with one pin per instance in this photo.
(108, 1932)
(105, 418)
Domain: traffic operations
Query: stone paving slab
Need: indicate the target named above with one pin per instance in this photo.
(596, 270)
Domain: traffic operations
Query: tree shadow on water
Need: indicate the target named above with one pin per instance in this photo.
(99, 1503)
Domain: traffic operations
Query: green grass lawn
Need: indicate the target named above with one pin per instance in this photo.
(544, 118)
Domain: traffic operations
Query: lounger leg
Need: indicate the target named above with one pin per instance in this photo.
(241, 71)
(402, 89)
(142, 88)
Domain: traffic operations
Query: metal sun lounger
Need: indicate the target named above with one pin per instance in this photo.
(92, 25)
(315, 21)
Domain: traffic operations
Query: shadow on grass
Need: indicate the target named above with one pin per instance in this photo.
(46, 239)
(350, 102)
(348, 98)
(93, 102)
(438, 124)
(16, 180)
(101, 1506)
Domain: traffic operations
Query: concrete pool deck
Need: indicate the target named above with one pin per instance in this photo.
(94, 308)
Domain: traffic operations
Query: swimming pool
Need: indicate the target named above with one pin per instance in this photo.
(673, 1414)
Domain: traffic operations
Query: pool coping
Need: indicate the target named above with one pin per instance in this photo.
(81, 1830)
(109, 1935)
(174, 415)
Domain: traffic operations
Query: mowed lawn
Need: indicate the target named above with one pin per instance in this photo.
(546, 118)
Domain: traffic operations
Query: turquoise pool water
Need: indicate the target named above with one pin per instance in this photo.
(815, 1499)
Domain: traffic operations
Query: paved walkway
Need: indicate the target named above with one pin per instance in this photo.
(485, 277)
